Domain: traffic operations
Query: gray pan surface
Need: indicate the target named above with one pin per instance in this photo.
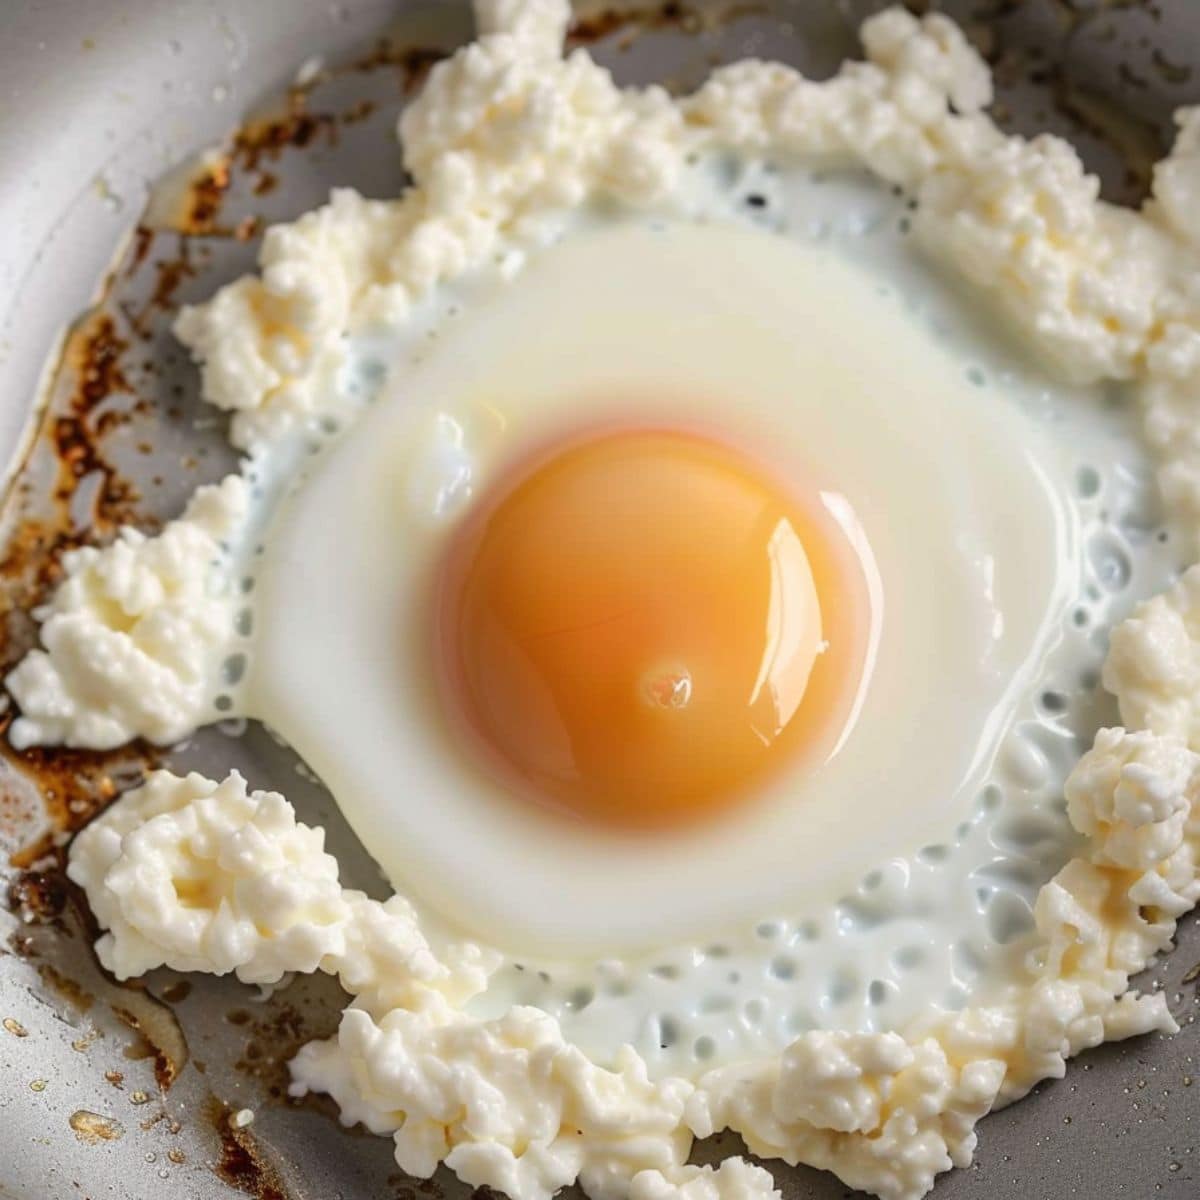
(125, 1091)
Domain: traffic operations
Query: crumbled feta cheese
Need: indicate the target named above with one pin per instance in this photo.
(201, 876)
(505, 1103)
(1153, 663)
(884, 1114)
(1131, 794)
(734, 1179)
(134, 637)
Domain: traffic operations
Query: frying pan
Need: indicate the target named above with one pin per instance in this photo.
(127, 1091)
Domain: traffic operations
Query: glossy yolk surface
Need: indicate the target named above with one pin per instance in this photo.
(644, 626)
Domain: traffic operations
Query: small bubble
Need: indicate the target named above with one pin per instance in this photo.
(580, 998)
(668, 1032)
(1087, 482)
(233, 668)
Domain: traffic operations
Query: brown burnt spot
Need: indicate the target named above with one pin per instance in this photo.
(38, 895)
(91, 372)
(116, 1078)
(176, 1156)
(92, 1128)
(143, 242)
(177, 991)
(13, 1026)
(295, 127)
(591, 27)
(242, 1164)
(159, 1118)
(265, 183)
(73, 993)
(203, 197)
(169, 274)
(83, 1044)
(415, 63)
(359, 112)
(94, 351)
(158, 1035)
(273, 1039)
(76, 785)
(29, 857)
(247, 228)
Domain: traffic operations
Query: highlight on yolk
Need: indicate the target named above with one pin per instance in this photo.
(645, 626)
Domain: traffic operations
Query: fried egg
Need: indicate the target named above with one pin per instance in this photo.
(700, 614)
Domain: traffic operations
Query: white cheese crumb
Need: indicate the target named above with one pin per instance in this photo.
(1153, 663)
(734, 1179)
(1131, 793)
(200, 876)
(134, 636)
(505, 1103)
(241, 1118)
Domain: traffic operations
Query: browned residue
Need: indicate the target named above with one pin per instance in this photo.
(92, 1128)
(274, 1033)
(593, 26)
(158, 1035)
(412, 64)
(85, 1043)
(75, 785)
(242, 1164)
(177, 991)
(77, 996)
(38, 895)
(93, 357)
(15, 1027)
(358, 112)
(203, 198)
(292, 127)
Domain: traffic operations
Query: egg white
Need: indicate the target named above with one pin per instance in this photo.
(856, 897)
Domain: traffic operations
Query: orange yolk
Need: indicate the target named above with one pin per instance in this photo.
(645, 626)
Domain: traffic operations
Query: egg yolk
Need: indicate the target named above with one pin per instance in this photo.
(644, 626)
